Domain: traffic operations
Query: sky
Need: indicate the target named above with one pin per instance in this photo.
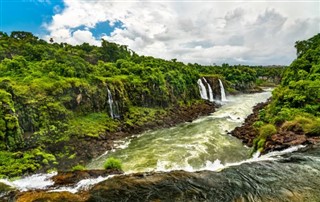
(193, 31)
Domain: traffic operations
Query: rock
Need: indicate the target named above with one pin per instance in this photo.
(38, 196)
(73, 177)
(6, 192)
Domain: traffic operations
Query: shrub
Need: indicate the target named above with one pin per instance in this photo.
(266, 131)
(296, 125)
(112, 163)
(78, 167)
(313, 128)
(258, 124)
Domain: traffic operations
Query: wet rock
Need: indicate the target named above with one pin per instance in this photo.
(41, 196)
(6, 192)
(173, 186)
(73, 177)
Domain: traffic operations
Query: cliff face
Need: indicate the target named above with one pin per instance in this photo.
(76, 121)
(212, 87)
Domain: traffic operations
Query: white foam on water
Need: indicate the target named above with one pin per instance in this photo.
(272, 156)
(166, 166)
(82, 185)
(37, 181)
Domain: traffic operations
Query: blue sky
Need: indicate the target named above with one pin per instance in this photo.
(32, 15)
(204, 32)
(27, 15)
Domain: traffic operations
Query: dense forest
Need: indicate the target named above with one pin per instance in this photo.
(295, 107)
(53, 94)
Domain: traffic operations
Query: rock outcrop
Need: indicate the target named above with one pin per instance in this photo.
(279, 141)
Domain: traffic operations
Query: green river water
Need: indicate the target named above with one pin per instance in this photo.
(202, 144)
(220, 165)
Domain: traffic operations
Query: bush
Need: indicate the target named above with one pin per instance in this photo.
(266, 131)
(313, 128)
(78, 167)
(258, 124)
(112, 163)
(296, 125)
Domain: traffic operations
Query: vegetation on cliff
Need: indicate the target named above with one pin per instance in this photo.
(295, 105)
(52, 95)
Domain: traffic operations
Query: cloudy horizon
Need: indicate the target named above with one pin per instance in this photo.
(204, 32)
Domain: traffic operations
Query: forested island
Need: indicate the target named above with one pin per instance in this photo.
(62, 106)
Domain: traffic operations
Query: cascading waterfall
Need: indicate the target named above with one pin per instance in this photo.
(210, 91)
(110, 101)
(203, 90)
(223, 93)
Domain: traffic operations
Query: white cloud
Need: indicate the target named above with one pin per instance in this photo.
(202, 32)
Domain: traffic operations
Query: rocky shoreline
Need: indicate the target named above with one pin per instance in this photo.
(279, 141)
(247, 132)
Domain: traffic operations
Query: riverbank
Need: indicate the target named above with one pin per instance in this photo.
(281, 140)
(89, 148)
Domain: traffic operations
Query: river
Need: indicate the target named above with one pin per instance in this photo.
(202, 144)
(199, 161)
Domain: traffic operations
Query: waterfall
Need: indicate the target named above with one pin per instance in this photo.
(110, 101)
(223, 93)
(203, 90)
(210, 91)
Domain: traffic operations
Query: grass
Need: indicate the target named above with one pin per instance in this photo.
(92, 124)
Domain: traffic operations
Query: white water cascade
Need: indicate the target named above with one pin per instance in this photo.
(203, 90)
(110, 101)
(223, 93)
(210, 91)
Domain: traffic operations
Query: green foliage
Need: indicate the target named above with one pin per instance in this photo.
(78, 168)
(50, 92)
(308, 125)
(258, 124)
(19, 163)
(312, 128)
(266, 131)
(112, 163)
(10, 132)
(295, 103)
(138, 116)
(92, 124)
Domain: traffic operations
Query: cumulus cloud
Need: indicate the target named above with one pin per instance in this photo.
(201, 32)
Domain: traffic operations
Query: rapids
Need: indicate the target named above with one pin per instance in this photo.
(189, 146)
(221, 169)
